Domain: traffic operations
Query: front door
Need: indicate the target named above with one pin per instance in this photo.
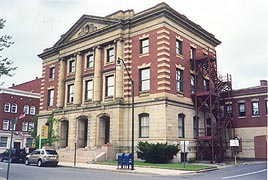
(16, 145)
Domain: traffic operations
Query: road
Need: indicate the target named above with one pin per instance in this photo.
(256, 171)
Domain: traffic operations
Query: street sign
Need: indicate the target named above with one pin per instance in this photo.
(44, 132)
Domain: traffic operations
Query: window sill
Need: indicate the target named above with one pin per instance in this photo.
(144, 93)
(242, 117)
(180, 94)
(179, 56)
(257, 116)
(108, 63)
(109, 98)
(143, 55)
(51, 79)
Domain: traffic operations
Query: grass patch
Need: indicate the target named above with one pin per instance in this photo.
(180, 166)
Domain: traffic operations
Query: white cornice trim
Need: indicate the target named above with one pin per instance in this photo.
(19, 93)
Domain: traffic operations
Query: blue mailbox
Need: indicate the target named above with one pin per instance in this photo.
(127, 160)
(120, 160)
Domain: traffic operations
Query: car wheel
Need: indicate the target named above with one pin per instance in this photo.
(39, 163)
(27, 162)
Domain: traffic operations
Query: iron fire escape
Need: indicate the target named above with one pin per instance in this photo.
(211, 93)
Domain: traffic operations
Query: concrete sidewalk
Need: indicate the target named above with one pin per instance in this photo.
(139, 170)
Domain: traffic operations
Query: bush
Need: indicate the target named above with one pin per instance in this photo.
(156, 153)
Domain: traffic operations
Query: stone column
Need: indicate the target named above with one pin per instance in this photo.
(97, 76)
(119, 84)
(60, 95)
(78, 80)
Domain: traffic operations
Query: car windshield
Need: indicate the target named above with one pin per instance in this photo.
(51, 152)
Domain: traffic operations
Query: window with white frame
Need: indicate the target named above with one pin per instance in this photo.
(181, 128)
(255, 108)
(71, 66)
(14, 108)
(144, 125)
(70, 93)
(52, 72)
(241, 110)
(266, 105)
(50, 97)
(31, 126)
(5, 124)
(229, 109)
(109, 86)
(89, 60)
(3, 141)
(26, 109)
(195, 124)
(32, 110)
(110, 55)
(12, 125)
(144, 46)
(24, 126)
(7, 107)
(192, 84)
(179, 80)
(179, 47)
(89, 90)
(29, 142)
(145, 79)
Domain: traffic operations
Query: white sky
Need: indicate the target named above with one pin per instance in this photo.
(241, 26)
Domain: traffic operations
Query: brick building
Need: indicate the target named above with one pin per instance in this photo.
(249, 112)
(14, 101)
(91, 97)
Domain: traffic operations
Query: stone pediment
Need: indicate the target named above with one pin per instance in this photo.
(84, 26)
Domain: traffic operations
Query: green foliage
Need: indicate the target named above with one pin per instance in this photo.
(5, 63)
(157, 153)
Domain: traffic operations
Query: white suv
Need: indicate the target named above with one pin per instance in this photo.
(42, 157)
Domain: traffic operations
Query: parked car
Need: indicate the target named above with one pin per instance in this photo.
(42, 157)
(17, 155)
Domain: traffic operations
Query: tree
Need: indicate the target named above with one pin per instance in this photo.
(5, 64)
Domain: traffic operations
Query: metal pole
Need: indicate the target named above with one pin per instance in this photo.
(10, 146)
(184, 153)
(40, 136)
(75, 153)
(132, 145)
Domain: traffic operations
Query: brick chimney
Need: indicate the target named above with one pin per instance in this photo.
(263, 82)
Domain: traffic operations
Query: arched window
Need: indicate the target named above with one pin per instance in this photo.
(14, 108)
(26, 109)
(7, 107)
(32, 110)
(195, 126)
(181, 128)
(144, 125)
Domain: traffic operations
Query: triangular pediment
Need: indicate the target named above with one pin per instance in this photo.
(84, 26)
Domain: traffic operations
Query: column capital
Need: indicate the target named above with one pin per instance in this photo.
(78, 54)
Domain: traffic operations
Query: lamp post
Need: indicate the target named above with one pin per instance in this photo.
(132, 108)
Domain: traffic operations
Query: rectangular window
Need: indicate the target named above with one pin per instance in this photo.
(3, 141)
(208, 127)
(12, 125)
(50, 97)
(32, 110)
(195, 127)
(89, 90)
(192, 84)
(26, 109)
(31, 126)
(229, 109)
(71, 66)
(266, 104)
(181, 125)
(70, 93)
(144, 46)
(206, 85)
(89, 62)
(179, 80)
(110, 55)
(145, 79)
(5, 124)
(109, 86)
(144, 126)
(192, 58)
(14, 108)
(242, 110)
(24, 126)
(29, 142)
(255, 108)
(178, 47)
(52, 72)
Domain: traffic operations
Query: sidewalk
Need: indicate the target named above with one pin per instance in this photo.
(138, 170)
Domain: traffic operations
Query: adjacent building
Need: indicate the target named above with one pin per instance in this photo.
(20, 102)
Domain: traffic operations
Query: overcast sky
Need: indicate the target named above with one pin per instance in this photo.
(241, 26)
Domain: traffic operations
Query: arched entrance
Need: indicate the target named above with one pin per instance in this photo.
(104, 129)
(64, 131)
(82, 131)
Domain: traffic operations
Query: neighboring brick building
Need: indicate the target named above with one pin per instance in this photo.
(91, 97)
(249, 111)
(13, 102)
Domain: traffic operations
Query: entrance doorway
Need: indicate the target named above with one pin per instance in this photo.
(104, 130)
(16, 145)
(82, 132)
(64, 131)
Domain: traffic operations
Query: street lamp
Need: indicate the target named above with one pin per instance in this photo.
(118, 64)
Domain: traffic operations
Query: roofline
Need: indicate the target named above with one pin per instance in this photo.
(19, 93)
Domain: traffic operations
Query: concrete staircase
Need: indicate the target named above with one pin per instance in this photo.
(85, 155)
